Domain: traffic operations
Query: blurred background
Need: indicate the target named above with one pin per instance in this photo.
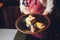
(9, 12)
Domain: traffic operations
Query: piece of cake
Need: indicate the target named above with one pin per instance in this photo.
(40, 25)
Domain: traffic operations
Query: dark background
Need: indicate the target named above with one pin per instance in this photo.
(10, 12)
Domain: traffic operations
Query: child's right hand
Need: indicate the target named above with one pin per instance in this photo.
(26, 12)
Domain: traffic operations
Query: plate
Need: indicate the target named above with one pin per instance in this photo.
(22, 26)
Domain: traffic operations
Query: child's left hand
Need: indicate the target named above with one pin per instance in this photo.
(45, 13)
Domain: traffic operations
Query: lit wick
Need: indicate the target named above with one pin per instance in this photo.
(31, 11)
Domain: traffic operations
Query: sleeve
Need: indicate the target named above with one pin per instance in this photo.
(23, 9)
(21, 6)
(49, 6)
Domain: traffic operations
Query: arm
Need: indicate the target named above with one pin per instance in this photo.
(48, 7)
(22, 8)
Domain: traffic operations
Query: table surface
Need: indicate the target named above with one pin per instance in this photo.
(7, 34)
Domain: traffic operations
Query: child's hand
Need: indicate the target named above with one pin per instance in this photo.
(26, 12)
(45, 13)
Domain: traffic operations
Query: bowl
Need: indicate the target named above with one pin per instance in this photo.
(21, 23)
